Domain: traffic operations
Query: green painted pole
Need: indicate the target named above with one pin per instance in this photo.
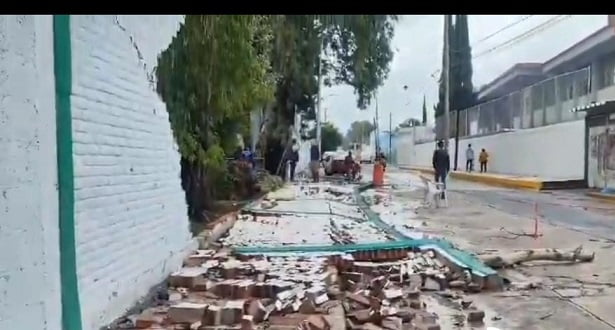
(71, 308)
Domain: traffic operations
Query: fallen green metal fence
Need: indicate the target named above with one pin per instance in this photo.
(462, 258)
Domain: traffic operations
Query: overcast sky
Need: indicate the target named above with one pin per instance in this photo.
(418, 54)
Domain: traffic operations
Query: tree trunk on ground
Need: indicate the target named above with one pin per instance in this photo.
(517, 257)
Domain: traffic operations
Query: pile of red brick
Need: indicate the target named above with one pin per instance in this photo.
(218, 290)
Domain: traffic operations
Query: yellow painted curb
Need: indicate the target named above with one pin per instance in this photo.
(506, 182)
(604, 197)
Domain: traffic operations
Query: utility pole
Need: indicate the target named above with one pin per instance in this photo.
(446, 74)
(318, 125)
(390, 135)
(376, 124)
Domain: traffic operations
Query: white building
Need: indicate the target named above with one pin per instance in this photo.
(94, 216)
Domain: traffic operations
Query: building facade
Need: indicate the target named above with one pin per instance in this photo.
(93, 212)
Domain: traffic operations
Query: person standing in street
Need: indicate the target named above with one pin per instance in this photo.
(293, 159)
(441, 164)
(469, 159)
(483, 158)
(315, 162)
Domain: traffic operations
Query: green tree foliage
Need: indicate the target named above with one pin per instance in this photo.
(355, 50)
(465, 89)
(331, 137)
(219, 67)
(424, 122)
(412, 122)
(215, 70)
(461, 94)
(359, 132)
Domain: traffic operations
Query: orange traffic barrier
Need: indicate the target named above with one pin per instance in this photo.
(378, 178)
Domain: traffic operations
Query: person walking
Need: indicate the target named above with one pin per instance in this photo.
(315, 162)
(293, 159)
(483, 158)
(441, 164)
(469, 159)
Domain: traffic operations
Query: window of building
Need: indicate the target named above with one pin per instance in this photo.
(549, 87)
(537, 96)
(582, 82)
(565, 87)
(608, 73)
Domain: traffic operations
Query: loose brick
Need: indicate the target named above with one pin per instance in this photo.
(186, 312)
(474, 287)
(393, 293)
(316, 322)
(427, 326)
(257, 310)
(426, 317)
(392, 323)
(362, 316)
(211, 316)
(465, 303)
(457, 284)
(231, 312)
(307, 306)
(413, 293)
(186, 277)
(371, 326)
(476, 315)
(406, 314)
(247, 322)
(292, 320)
(359, 299)
(148, 319)
(431, 285)
(416, 304)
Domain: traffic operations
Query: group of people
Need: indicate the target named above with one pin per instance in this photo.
(442, 165)
(483, 158)
(351, 167)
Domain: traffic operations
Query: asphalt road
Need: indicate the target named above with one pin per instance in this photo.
(572, 209)
(567, 208)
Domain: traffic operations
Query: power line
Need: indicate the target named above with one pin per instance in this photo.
(515, 40)
(522, 19)
(525, 35)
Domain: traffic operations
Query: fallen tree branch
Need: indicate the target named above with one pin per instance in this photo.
(517, 235)
(515, 258)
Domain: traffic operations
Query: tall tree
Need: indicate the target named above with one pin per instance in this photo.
(214, 71)
(464, 97)
(360, 131)
(439, 107)
(411, 122)
(461, 94)
(355, 51)
(331, 137)
(424, 122)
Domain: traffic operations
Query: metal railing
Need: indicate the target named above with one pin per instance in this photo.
(544, 103)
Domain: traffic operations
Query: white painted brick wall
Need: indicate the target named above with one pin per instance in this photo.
(131, 213)
(29, 247)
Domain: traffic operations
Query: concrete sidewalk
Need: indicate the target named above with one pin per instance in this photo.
(506, 181)
(603, 196)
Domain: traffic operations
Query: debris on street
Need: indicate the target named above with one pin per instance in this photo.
(518, 257)
(374, 288)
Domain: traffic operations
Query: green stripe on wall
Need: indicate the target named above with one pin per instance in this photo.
(71, 308)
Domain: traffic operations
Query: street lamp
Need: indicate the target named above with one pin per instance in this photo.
(322, 98)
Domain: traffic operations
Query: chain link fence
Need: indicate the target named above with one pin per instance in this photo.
(545, 103)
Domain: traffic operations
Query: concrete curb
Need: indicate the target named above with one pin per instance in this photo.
(602, 196)
(512, 182)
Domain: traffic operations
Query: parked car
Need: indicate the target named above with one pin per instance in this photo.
(334, 163)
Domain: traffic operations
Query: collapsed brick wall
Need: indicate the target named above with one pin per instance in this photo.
(131, 213)
(29, 247)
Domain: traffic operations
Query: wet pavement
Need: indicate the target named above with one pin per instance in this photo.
(490, 219)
